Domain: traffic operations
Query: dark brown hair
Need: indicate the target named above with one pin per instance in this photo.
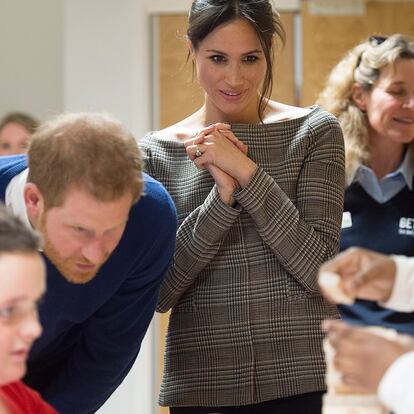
(15, 236)
(26, 121)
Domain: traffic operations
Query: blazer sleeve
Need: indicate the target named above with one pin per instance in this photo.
(305, 234)
(199, 237)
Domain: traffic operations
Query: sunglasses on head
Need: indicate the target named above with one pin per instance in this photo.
(373, 41)
(377, 40)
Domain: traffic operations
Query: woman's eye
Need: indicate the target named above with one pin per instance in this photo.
(218, 58)
(6, 313)
(250, 59)
(398, 92)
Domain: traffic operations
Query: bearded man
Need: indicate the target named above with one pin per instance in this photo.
(109, 235)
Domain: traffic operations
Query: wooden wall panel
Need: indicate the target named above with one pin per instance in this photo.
(283, 70)
(179, 94)
(327, 38)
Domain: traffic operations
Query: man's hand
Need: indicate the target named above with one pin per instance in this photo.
(363, 357)
(363, 274)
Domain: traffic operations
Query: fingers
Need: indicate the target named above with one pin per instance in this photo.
(343, 262)
(332, 288)
(354, 381)
(200, 136)
(363, 274)
(218, 128)
(342, 337)
(359, 279)
(335, 326)
(231, 137)
(195, 151)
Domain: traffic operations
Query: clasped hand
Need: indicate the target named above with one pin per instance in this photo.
(218, 150)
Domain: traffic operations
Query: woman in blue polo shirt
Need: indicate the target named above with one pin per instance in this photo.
(371, 91)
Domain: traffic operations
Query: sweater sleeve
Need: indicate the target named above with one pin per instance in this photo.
(306, 233)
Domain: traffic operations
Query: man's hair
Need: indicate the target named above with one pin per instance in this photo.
(15, 236)
(25, 120)
(90, 151)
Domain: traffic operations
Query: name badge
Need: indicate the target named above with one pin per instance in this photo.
(346, 220)
(406, 226)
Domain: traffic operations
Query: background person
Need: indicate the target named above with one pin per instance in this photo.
(258, 187)
(16, 129)
(371, 91)
(368, 362)
(106, 250)
(22, 285)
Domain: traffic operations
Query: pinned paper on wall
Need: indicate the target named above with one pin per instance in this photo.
(337, 7)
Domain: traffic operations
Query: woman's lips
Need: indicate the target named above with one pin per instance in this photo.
(231, 95)
(407, 121)
(20, 354)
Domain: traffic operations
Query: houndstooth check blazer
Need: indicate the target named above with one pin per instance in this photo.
(246, 309)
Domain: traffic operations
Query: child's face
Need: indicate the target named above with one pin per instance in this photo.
(14, 139)
(22, 283)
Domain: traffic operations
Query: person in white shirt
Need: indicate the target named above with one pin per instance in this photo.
(368, 362)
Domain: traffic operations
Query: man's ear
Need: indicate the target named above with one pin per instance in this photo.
(359, 97)
(34, 201)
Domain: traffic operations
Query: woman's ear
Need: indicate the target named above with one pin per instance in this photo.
(189, 45)
(359, 97)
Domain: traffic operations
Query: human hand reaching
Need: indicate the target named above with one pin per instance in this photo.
(362, 357)
(363, 274)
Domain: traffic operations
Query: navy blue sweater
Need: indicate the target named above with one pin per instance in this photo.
(385, 229)
(92, 332)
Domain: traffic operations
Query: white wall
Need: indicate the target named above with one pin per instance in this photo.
(107, 56)
(82, 55)
(106, 68)
(31, 64)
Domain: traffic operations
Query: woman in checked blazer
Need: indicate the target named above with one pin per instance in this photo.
(258, 186)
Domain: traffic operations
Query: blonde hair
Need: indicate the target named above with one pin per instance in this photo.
(91, 151)
(361, 65)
